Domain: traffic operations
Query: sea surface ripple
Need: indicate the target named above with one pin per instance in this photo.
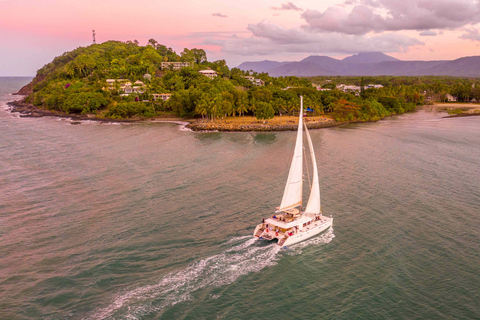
(148, 221)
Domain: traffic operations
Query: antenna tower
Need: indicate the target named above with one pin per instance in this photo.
(93, 31)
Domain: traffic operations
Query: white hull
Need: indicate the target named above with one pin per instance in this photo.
(301, 233)
(312, 232)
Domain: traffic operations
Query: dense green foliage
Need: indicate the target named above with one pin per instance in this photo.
(76, 83)
(435, 87)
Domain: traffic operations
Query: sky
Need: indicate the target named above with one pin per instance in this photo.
(33, 32)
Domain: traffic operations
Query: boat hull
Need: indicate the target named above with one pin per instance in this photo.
(308, 234)
(302, 233)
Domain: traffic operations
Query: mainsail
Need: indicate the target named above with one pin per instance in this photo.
(292, 196)
(313, 204)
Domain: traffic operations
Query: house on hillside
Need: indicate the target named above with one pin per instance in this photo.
(209, 73)
(111, 83)
(161, 96)
(137, 87)
(259, 82)
(256, 82)
(176, 65)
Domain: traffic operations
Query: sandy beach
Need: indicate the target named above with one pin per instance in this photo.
(465, 107)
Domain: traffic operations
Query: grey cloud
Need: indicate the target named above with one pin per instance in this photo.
(400, 15)
(471, 34)
(288, 6)
(268, 39)
(428, 33)
(218, 14)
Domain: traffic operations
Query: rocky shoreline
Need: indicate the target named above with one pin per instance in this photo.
(230, 127)
(28, 110)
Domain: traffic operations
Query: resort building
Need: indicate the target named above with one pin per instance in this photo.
(175, 65)
(161, 96)
(209, 73)
(256, 82)
(137, 87)
(349, 89)
(374, 86)
(356, 89)
(111, 83)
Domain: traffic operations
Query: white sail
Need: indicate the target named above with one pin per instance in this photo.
(313, 204)
(292, 196)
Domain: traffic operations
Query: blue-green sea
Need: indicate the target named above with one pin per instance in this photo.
(151, 221)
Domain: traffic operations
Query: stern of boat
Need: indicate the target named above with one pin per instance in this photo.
(261, 232)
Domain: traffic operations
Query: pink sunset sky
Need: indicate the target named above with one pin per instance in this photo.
(33, 32)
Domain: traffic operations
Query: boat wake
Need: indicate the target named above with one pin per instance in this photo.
(213, 272)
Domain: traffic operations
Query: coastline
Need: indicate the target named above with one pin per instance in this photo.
(27, 110)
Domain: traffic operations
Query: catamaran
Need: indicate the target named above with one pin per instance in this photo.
(289, 224)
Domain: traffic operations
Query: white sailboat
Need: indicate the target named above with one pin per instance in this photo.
(290, 224)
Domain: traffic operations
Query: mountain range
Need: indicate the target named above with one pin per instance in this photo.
(366, 64)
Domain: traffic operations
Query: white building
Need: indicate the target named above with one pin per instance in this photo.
(111, 83)
(349, 89)
(161, 96)
(209, 73)
(256, 82)
(175, 65)
(374, 86)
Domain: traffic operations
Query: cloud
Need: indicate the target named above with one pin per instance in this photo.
(428, 33)
(269, 39)
(287, 6)
(471, 34)
(218, 14)
(392, 15)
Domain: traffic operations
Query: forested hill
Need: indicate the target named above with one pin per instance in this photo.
(148, 80)
(125, 80)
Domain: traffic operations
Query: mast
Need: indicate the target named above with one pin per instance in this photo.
(313, 204)
(292, 196)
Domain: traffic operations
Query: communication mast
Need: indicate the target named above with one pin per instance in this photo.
(93, 36)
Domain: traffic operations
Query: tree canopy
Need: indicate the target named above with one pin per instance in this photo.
(76, 82)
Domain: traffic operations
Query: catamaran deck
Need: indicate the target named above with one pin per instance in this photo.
(276, 228)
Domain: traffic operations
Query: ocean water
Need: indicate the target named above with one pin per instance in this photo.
(149, 221)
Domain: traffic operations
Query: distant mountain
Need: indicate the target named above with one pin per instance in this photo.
(299, 69)
(367, 64)
(260, 66)
(369, 57)
(462, 67)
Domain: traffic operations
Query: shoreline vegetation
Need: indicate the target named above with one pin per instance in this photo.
(126, 82)
(232, 124)
(235, 124)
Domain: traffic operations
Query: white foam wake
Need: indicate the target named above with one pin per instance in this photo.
(218, 270)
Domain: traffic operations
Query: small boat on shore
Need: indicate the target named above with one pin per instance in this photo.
(289, 224)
